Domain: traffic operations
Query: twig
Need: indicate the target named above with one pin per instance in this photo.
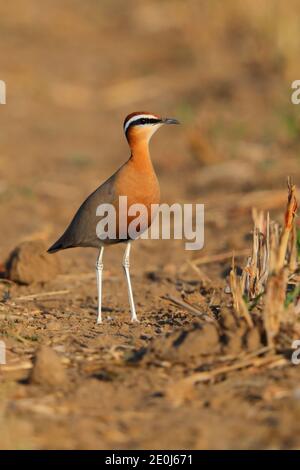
(256, 362)
(220, 257)
(188, 307)
(204, 278)
(288, 226)
(179, 391)
(15, 367)
(43, 294)
(250, 361)
(239, 303)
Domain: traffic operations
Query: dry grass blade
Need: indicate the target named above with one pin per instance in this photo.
(237, 294)
(290, 214)
(254, 362)
(293, 262)
(43, 294)
(190, 308)
(26, 365)
(273, 260)
(257, 269)
(183, 388)
(284, 257)
(204, 278)
(274, 304)
(220, 257)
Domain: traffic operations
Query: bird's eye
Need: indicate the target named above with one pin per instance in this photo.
(143, 120)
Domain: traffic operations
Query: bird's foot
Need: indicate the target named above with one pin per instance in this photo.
(135, 320)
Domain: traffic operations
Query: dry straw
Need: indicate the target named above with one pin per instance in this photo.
(269, 270)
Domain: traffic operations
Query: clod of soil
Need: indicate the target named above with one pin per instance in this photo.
(204, 341)
(29, 263)
(48, 369)
(186, 345)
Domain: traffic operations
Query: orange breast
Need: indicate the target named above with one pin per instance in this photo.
(139, 183)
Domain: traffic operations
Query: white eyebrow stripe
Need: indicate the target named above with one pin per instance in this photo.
(136, 117)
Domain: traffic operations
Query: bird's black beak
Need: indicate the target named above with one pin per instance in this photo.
(170, 121)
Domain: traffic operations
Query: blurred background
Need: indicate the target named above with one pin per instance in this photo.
(75, 69)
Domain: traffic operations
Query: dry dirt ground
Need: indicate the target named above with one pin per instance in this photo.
(73, 71)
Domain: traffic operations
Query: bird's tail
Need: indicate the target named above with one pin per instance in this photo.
(57, 246)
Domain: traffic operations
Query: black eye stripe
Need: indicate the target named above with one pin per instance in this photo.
(142, 121)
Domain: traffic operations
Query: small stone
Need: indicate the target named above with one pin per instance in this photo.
(48, 369)
(29, 262)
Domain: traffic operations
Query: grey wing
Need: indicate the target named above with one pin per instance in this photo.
(82, 229)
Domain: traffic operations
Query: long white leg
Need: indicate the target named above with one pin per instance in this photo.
(126, 265)
(99, 270)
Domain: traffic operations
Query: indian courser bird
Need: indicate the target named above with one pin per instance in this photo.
(135, 179)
